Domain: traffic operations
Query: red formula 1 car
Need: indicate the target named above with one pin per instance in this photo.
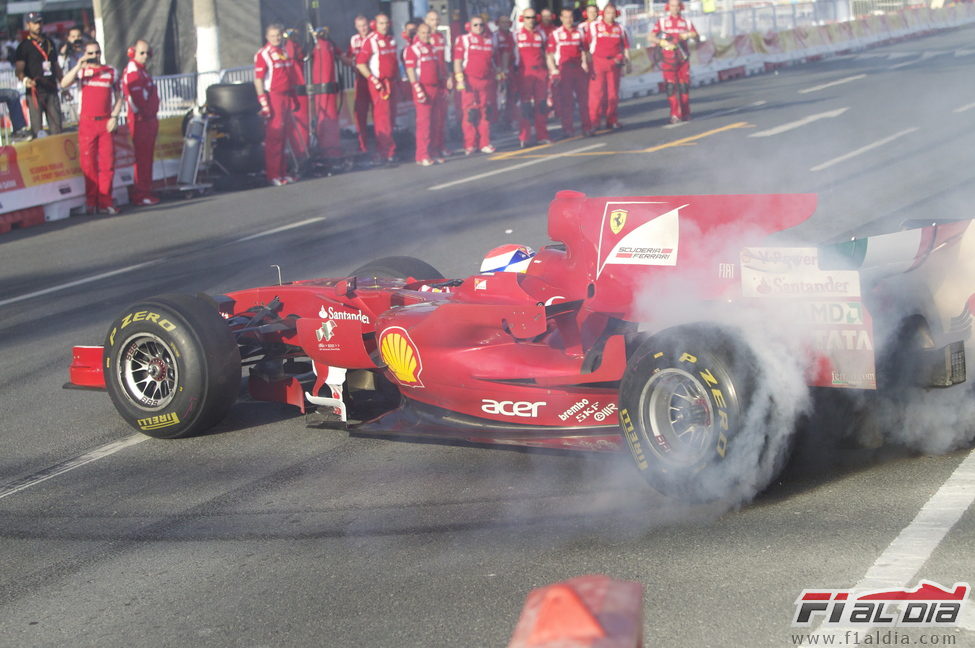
(636, 328)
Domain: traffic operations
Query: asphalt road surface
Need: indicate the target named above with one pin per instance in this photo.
(268, 533)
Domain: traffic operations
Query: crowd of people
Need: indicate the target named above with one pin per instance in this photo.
(503, 78)
(47, 71)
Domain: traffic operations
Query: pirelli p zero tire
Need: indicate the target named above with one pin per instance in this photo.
(397, 267)
(242, 129)
(227, 99)
(172, 366)
(692, 419)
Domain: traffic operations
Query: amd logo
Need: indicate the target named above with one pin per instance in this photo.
(511, 408)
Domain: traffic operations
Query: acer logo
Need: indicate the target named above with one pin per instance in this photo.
(510, 408)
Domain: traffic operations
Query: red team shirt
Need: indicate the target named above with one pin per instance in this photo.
(566, 45)
(423, 58)
(607, 41)
(530, 48)
(273, 65)
(476, 54)
(97, 86)
(504, 42)
(355, 44)
(379, 54)
(141, 91)
(670, 25)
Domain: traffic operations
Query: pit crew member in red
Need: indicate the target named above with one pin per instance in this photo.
(671, 34)
(609, 49)
(298, 137)
(363, 100)
(546, 21)
(568, 66)
(326, 92)
(532, 79)
(474, 76)
(439, 43)
(504, 50)
(426, 72)
(143, 106)
(377, 62)
(275, 84)
(101, 103)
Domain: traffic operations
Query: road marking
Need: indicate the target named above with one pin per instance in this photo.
(278, 230)
(964, 108)
(802, 122)
(112, 273)
(901, 561)
(59, 469)
(905, 64)
(730, 111)
(856, 77)
(860, 151)
(515, 153)
(77, 282)
(964, 52)
(514, 167)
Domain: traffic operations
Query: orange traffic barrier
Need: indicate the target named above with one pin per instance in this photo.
(585, 612)
(21, 218)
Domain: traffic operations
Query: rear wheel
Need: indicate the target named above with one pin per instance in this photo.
(172, 366)
(695, 419)
(397, 267)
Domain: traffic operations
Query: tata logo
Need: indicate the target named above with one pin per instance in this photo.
(617, 219)
(523, 409)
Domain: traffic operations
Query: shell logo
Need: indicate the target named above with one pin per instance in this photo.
(401, 356)
(617, 219)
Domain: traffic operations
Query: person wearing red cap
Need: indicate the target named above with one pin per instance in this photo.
(363, 100)
(101, 103)
(143, 106)
(475, 75)
(427, 73)
(377, 62)
(274, 80)
(671, 34)
(532, 79)
(504, 51)
(326, 95)
(568, 66)
(609, 50)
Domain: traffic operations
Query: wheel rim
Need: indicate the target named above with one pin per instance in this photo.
(147, 371)
(679, 416)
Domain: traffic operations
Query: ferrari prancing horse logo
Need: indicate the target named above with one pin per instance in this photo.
(617, 219)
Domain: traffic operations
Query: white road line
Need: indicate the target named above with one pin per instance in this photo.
(901, 561)
(283, 228)
(112, 273)
(77, 282)
(905, 64)
(861, 151)
(801, 122)
(59, 469)
(833, 83)
(964, 52)
(514, 167)
(722, 113)
(964, 108)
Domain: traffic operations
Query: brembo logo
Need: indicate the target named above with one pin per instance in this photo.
(511, 408)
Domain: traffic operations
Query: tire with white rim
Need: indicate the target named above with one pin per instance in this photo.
(172, 366)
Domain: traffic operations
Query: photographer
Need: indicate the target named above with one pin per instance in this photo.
(36, 64)
(73, 49)
(101, 103)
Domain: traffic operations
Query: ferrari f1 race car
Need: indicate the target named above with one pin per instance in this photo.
(668, 326)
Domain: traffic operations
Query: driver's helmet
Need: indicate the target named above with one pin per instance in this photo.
(509, 257)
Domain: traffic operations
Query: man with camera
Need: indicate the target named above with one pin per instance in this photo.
(36, 64)
(143, 104)
(101, 103)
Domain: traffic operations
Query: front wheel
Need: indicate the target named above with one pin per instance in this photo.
(172, 366)
(397, 267)
(696, 418)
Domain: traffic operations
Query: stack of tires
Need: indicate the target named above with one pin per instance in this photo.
(239, 146)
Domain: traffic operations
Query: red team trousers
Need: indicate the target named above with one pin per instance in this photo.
(679, 74)
(363, 100)
(479, 95)
(96, 155)
(573, 88)
(604, 90)
(533, 85)
(429, 138)
(281, 123)
(382, 119)
(144, 133)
